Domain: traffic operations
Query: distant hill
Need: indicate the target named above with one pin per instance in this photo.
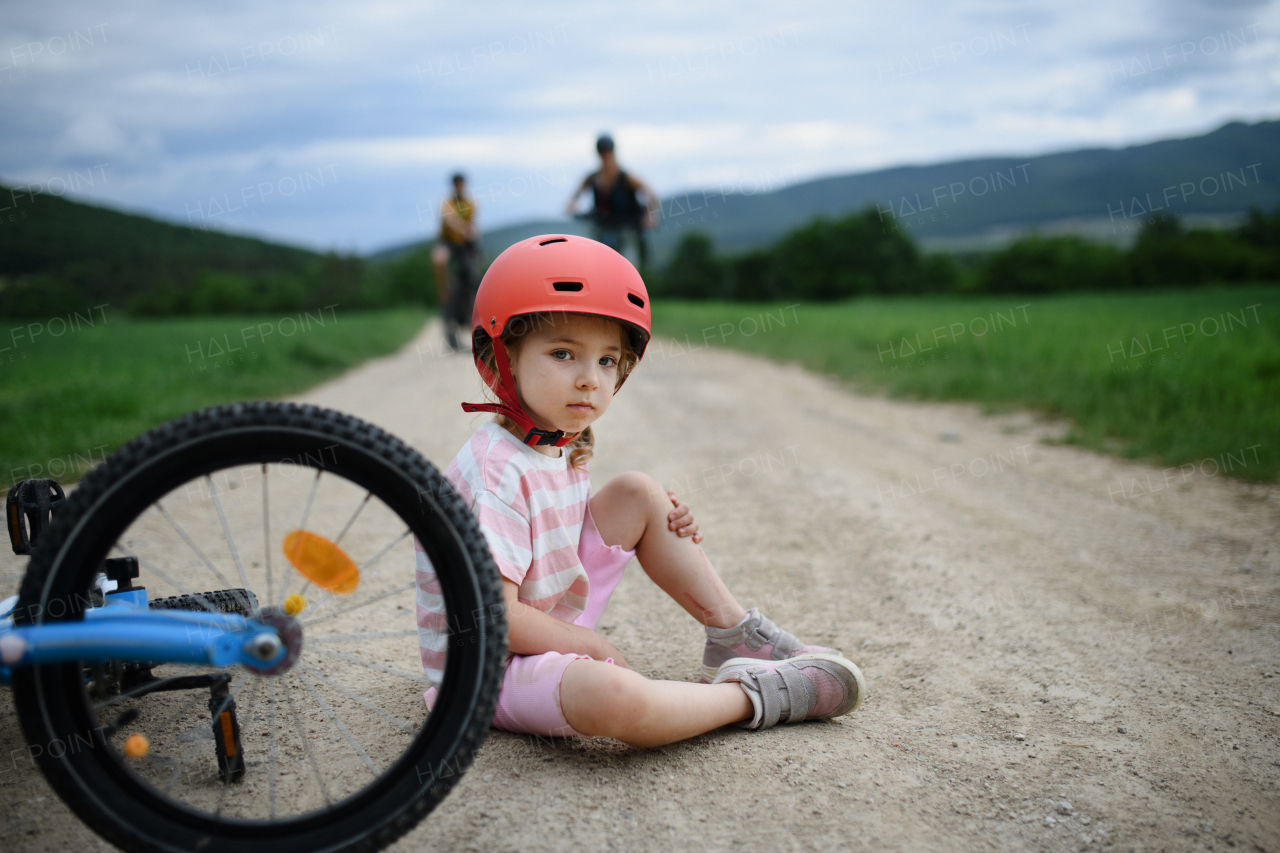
(983, 203)
(57, 254)
(1102, 192)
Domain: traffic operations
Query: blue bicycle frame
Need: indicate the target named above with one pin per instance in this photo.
(123, 629)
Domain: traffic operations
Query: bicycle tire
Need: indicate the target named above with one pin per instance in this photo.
(100, 785)
(239, 601)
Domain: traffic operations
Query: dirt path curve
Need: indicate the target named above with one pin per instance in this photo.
(1064, 651)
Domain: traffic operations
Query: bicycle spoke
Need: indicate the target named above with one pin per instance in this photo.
(306, 744)
(393, 543)
(224, 789)
(351, 694)
(231, 542)
(190, 543)
(186, 762)
(333, 718)
(226, 783)
(271, 749)
(376, 667)
(352, 520)
(365, 603)
(236, 685)
(302, 525)
(234, 688)
(266, 530)
(306, 513)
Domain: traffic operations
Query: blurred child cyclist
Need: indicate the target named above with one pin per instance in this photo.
(559, 323)
(459, 245)
(617, 207)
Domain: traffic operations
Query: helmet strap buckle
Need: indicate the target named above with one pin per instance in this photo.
(543, 437)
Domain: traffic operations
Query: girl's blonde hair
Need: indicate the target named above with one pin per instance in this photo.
(580, 449)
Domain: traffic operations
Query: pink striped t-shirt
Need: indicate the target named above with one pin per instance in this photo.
(531, 509)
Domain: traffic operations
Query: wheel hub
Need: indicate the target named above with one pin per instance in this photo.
(290, 632)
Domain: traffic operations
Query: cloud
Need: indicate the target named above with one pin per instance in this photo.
(92, 136)
(185, 103)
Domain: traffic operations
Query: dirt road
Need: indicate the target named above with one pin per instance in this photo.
(1064, 651)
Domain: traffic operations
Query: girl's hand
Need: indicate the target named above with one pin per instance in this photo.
(607, 651)
(681, 520)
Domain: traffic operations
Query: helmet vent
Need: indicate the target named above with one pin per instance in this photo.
(635, 300)
(572, 286)
(556, 240)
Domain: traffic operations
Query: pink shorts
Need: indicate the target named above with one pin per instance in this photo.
(529, 702)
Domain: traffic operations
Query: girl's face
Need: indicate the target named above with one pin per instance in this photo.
(566, 370)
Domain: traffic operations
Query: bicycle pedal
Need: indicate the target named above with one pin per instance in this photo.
(29, 510)
(226, 735)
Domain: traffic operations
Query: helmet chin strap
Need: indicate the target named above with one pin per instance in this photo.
(504, 386)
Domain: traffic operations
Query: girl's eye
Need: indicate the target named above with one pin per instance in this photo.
(608, 361)
(561, 355)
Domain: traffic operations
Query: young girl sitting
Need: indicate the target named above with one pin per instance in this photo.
(559, 322)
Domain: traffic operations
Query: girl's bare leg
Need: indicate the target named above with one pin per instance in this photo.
(599, 698)
(631, 511)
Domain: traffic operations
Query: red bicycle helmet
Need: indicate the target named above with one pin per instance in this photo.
(551, 273)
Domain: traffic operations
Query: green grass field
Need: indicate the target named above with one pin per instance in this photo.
(71, 393)
(1173, 377)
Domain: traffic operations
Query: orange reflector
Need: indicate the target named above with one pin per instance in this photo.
(228, 735)
(321, 562)
(136, 746)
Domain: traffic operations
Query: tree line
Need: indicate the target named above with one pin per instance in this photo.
(58, 256)
(857, 256)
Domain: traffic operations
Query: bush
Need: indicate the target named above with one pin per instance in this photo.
(693, 271)
(1038, 264)
(224, 293)
(753, 277)
(342, 283)
(413, 279)
(824, 260)
(39, 296)
(1165, 254)
(853, 256)
(1262, 232)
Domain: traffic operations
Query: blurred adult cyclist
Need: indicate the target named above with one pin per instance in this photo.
(618, 209)
(459, 244)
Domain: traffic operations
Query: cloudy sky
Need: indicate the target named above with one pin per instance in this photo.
(336, 125)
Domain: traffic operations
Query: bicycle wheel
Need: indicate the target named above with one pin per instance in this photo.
(338, 750)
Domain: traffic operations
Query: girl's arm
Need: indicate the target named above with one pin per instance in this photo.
(532, 632)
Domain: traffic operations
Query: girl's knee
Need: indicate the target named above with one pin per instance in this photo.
(605, 699)
(634, 484)
(625, 507)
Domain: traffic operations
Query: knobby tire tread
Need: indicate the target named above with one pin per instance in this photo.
(209, 422)
(238, 601)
